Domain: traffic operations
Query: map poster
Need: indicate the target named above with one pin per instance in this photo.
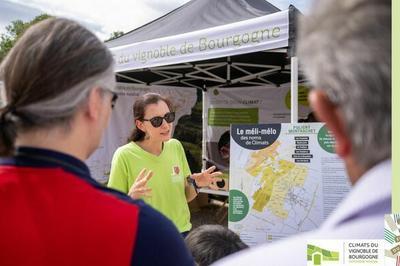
(284, 179)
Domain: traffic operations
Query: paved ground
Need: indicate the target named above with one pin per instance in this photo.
(208, 211)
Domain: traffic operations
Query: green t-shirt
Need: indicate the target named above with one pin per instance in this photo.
(170, 169)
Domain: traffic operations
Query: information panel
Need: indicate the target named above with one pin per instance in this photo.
(284, 179)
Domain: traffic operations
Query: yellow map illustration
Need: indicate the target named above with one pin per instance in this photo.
(278, 177)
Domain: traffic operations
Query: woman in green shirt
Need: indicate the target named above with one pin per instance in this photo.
(153, 166)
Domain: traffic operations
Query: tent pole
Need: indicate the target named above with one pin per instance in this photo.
(294, 114)
(204, 128)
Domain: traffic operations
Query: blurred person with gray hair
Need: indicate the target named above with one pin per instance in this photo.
(345, 49)
(59, 88)
(211, 242)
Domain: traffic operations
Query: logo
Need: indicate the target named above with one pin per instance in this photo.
(176, 170)
(348, 252)
(392, 239)
(317, 255)
(176, 176)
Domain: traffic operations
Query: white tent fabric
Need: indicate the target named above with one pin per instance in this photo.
(196, 15)
(252, 35)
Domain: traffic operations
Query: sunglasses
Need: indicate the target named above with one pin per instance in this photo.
(158, 120)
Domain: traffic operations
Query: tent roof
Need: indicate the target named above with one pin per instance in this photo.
(196, 15)
(246, 69)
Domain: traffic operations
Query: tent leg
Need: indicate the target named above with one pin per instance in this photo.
(204, 129)
(294, 68)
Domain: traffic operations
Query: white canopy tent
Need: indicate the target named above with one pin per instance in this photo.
(253, 48)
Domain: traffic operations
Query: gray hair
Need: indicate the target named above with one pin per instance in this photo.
(48, 75)
(345, 49)
(65, 104)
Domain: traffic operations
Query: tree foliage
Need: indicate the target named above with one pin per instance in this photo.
(115, 35)
(14, 31)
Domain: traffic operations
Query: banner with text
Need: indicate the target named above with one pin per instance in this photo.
(257, 34)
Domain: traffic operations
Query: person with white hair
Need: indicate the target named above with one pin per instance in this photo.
(345, 48)
(59, 85)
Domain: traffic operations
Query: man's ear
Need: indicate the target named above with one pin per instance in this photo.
(94, 104)
(329, 113)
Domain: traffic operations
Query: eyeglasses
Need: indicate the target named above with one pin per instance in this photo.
(114, 97)
(157, 120)
(114, 100)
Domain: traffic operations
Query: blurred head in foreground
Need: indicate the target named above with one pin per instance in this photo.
(209, 243)
(59, 82)
(345, 49)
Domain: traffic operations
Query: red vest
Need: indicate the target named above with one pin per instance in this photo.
(51, 217)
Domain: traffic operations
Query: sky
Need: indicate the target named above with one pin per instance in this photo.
(104, 16)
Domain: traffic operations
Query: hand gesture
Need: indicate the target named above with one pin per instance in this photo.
(207, 177)
(139, 188)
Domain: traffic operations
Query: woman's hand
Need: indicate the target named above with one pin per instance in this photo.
(207, 177)
(139, 189)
